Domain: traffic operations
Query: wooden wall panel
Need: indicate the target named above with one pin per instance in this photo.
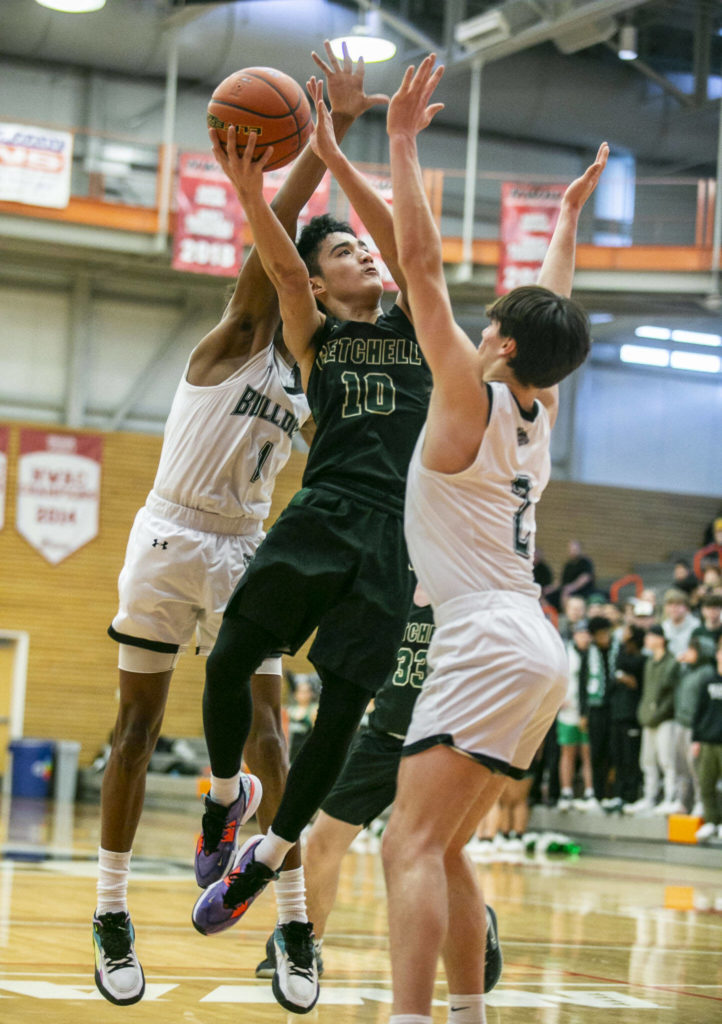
(72, 673)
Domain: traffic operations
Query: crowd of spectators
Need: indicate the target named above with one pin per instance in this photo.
(640, 731)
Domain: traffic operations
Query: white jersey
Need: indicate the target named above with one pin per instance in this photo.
(224, 445)
(474, 531)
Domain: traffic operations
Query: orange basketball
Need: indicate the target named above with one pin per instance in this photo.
(267, 102)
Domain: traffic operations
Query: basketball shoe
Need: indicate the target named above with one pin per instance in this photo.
(493, 960)
(267, 967)
(295, 980)
(226, 901)
(118, 974)
(218, 840)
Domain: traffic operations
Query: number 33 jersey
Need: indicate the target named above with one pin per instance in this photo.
(225, 444)
(474, 531)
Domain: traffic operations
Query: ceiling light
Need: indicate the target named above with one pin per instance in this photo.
(627, 43)
(695, 361)
(697, 338)
(643, 355)
(365, 41)
(659, 333)
(483, 30)
(72, 6)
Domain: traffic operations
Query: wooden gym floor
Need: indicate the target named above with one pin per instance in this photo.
(598, 941)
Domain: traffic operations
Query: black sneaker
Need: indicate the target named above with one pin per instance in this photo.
(267, 967)
(118, 974)
(493, 960)
(295, 980)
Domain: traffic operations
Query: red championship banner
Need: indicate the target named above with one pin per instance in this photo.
(58, 491)
(382, 184)
(208, 223)
(528, 216)
(4, 442)
(317, 204)
(35, 165)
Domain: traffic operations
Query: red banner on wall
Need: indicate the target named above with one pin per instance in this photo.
(382, 184)
(317, 204)
(4, 442)
(207, 238)
(58, 491)
(528, 217)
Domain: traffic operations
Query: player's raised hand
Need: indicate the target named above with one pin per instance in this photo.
(345, 83)
(322, 140)
(581, 188)
(245, 173)
(409, 110)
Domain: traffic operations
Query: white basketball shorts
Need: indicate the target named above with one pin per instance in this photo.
(498, 676)
(177, 579)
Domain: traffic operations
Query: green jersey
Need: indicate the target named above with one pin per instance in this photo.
(369, 393)
(394, 702)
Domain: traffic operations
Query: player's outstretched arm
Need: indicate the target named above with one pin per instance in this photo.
(457, 412)
(418, 238)
(251, 315)
(557, 272)
(280, 260)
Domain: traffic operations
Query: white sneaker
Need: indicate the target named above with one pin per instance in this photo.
(564, 803)
(705, 832)
(698, 810)
(588, 804)
(639, 807)
(295, 983)
(118, 974)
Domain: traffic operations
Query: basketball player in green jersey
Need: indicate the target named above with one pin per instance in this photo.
(336, 558)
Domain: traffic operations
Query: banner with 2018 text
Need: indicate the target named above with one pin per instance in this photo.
(58, 491)
(35, 165)
(207, 237)
(529, 215)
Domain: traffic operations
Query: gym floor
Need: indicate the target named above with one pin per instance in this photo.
(585, 939)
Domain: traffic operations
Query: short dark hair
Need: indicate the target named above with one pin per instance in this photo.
(551, 334)
(597, 623)
(310, 239)
(636, 636)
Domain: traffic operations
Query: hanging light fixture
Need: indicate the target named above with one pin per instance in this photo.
(627, 43)
(72, 6)
(366, 40)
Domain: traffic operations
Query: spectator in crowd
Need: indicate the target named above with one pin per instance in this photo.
(545, 771)
(513, 814)
(574, 612)
(697, 668)
(710, 610)
(656, 716)
(573, 740)
(682, 576)
(577, 573)
(707, 746)
(626, 733)
(543, 574)
(710, 554)
(677, 621)
(595, 675)
(301, 713)
(644, 611)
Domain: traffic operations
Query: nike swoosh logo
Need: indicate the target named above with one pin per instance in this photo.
(293, 390)
(455, 1008)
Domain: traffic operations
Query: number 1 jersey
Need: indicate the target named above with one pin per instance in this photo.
(369, 393)
(225, 444)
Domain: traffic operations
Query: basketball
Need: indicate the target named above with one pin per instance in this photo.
(267, 102)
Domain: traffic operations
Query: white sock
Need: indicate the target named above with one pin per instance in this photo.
(272, 850)
(467, 1009)
(225, 791)
(410, 1018)
(567, 793)
(588, 794)
(290, 888)
(112, 887)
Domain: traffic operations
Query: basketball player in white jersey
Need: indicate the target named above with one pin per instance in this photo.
(229, 432)
(498, 667)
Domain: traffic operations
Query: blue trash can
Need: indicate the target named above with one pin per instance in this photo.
(32, 771)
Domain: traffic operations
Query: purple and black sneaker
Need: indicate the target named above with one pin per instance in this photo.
(226, 901)
(218, 840)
